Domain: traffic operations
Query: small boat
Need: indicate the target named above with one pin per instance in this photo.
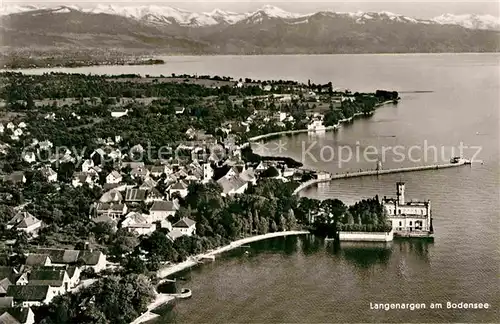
(329, 239)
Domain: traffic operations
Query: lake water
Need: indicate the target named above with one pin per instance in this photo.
(305, 280)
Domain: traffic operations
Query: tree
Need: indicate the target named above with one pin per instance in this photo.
(274, 227)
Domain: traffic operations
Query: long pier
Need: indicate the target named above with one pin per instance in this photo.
(347, 175)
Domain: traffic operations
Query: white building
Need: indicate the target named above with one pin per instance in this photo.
(87, 164)
(45, 145)
(29, 157)
(184, 227)
(24, 221)
(138, 224)
(49, 174)
(161, 211)
(88, 259)
(32, 295)
(408, 218)
(180, 187)
(80, 178)
(114, 177)
(232, 185)
(119, 113)
(55, 278)
(316, 126)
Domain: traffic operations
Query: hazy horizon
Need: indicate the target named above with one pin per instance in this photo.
(415, 8)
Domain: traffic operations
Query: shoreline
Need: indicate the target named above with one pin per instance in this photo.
(193, 260)
(167, 55)
(305, 130)
(162, 299)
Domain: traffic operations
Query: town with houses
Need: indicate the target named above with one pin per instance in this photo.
(141, 196)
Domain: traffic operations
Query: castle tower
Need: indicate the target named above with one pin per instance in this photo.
(400, 192)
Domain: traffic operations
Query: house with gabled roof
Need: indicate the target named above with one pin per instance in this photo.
(141, 173)
(86, 258)
(49, 174)
(38, 260)
(16, 177)
(24, 221)
(107, 219)
(233, 185)
(7, 275)
(80, 178)
(161, 211)
(32, 295)
(94, 260)
(249, 176)
(138, 224)
(73, 272)
(148, 184)
(154, 195)
(16, 315)
(53, 277)
(114, 177)
(184, 227)
(4, 284)
(111, 196)
(179, 187)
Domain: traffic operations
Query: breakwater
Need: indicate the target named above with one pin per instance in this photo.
(347, 175)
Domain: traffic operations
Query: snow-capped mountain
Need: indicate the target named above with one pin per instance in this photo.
(156, 14)
(470, 21)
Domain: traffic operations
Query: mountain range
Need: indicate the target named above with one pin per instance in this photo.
(269, 30)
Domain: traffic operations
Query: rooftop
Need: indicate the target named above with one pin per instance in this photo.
(28, 292)
(45, 276)
(184, 223)
(164, 206)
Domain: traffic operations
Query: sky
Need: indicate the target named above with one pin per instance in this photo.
(414, 8)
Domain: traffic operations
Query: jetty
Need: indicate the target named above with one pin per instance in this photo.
(358, 174)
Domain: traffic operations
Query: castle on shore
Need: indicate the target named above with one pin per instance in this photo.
(410, 219)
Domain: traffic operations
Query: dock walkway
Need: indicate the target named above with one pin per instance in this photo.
(377, 173)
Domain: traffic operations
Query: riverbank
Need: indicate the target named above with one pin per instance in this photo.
(192, 261)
